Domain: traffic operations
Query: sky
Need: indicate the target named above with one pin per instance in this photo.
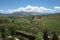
(48, 6)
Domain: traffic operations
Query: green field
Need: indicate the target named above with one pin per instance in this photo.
(51, 22)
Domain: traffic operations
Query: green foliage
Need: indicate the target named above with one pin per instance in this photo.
(51, 22)
(55, 36)
(13, 31)
(7, 38)
(45, 34)
(22, 38)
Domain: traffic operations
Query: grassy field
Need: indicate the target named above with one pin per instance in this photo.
(51, 22)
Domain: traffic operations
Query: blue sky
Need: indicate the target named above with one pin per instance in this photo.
(14, 4)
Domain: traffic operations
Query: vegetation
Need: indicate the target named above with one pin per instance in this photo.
(45, 36)
(55, 36)
(36, 26)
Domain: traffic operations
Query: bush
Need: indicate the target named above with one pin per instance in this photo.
(55, 36)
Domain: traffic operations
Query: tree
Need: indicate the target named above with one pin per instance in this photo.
(45, 35)
(13, 31)
(55, 36)
(4, 32)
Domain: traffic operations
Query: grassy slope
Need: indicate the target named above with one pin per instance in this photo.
(51, 22)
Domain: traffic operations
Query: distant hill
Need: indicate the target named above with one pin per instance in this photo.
(26, 14)
(20, 14)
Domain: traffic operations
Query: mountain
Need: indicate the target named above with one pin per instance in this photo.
(21, 13)
(25, 13)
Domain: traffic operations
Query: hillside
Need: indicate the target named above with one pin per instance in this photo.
(32, 24)
(51, 22)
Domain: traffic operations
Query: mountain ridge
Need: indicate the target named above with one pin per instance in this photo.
(27, 13)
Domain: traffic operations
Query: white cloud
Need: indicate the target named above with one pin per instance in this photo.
(30, 8)
(1, 10)
(57, 7)
(42, 9)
